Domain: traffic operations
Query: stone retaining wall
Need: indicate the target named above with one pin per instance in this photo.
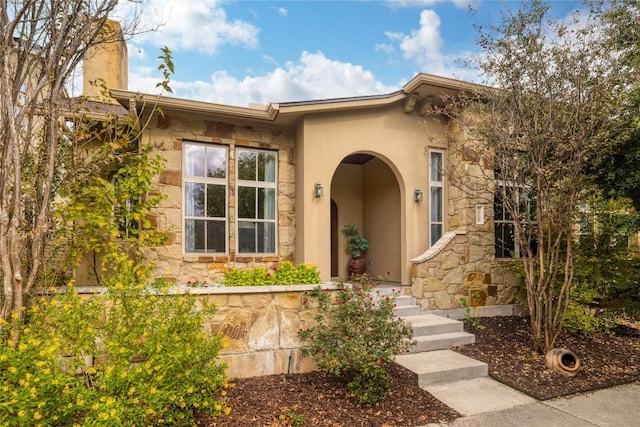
(261, 328)
(260, 325)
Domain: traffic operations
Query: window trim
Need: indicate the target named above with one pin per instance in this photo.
(436, 184)
(204, 180)
(257, 185)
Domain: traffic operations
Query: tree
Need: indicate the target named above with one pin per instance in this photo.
(618, 172)
(41, 45)
(554, 91)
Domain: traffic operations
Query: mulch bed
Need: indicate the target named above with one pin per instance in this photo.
(505, 345)
(323, 401)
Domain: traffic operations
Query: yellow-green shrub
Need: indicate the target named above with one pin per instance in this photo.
(285, 273)
(154, 364)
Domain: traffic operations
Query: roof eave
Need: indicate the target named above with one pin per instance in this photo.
(439, 82)
(268, 114)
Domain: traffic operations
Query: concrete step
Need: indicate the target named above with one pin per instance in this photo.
(441, 341)
(429, 324)
(478, 395)
(442, 366)
(405, 300)
(387, 289)
(406, 311)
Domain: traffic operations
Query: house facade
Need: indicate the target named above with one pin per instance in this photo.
(254, 186)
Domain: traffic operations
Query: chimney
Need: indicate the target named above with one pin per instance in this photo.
(106, 61)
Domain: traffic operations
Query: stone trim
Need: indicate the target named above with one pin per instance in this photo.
(216, 289)
(438, 247)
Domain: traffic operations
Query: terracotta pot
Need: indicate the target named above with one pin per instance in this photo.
(563, 361)
(357, 266)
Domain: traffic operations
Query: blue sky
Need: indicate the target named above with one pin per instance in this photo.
(238, 52)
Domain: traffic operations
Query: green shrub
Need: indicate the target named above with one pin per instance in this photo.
(153, 365)
(607, 256)
(285, 273)
(356, 336)
(584, 320)
(471, 319)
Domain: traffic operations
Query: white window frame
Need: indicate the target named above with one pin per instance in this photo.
(435, 184)
(205, 180)
(257, 185)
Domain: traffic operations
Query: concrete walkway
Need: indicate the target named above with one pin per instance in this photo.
(498, 405)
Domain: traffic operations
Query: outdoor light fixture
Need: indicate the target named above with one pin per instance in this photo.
(417, 195)
(317, 190)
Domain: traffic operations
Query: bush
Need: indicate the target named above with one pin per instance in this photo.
(356, 336)
(607, 255)
(286, 273)
(584, 320)
(153, 364)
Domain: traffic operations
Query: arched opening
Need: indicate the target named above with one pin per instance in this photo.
(366, 193)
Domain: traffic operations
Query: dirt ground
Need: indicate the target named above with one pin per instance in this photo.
(323, 401)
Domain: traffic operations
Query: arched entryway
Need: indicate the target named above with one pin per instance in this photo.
(365, 192)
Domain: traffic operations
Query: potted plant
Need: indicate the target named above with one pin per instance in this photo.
(356, 246)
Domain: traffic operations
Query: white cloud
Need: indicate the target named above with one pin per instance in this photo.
(424, 48)
(201, 25)
(394, 37)
(424, 45)
(282, 11)
(384, 47)
(313, 77)
(460, 4)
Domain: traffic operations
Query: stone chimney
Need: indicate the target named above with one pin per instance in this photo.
(107, 61)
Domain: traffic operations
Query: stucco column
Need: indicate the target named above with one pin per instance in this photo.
(313, 231)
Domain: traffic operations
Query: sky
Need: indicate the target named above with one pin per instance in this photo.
(242, 52)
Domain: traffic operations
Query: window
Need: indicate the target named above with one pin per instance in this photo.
(205, 198)
(506, 245)
(256, 201)
(436, 196)
(504, 229)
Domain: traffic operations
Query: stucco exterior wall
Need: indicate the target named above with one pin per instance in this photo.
(399, 140)
(382, 221)
(346, 191)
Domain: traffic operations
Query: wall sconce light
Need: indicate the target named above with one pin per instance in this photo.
(417, 195)
(317, 190)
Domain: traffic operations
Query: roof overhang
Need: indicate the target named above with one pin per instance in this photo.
(420, 92)
(73, 107)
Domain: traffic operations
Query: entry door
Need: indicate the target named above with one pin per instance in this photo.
(334, 239)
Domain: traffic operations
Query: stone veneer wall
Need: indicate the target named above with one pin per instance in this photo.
(260, 326)
(456, 268)
(462, 263)
(167, 134)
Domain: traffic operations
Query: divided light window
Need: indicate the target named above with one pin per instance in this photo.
(256, 201)
(436, 196)
(205, 198)
(506, 244)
